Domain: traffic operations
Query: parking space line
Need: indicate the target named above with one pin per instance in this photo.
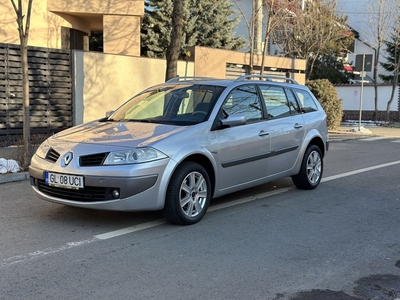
(373, 139)
(131, 229)
(360, 171)
(247, 199)
(40, 253)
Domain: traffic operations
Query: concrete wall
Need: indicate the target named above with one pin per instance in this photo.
(350, 96)
(102, 82)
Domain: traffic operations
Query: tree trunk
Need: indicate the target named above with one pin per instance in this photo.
(26, 112)
(311, 66)
(23, 38)
(394, 85)
(266, 39)
(251, 63)
(175, 43)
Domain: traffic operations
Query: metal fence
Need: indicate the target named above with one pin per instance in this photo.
(50, 92)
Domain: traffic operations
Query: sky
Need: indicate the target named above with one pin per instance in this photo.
(356, 10)
(361, 19)
(358, 13)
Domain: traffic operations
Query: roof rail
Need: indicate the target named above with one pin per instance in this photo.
(189, 78)
(268, 78)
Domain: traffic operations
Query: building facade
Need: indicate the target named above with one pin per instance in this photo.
(68, 24)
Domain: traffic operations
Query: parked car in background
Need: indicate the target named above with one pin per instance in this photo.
(177, 145)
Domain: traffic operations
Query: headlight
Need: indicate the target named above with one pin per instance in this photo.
(43, 149)
(134, 156)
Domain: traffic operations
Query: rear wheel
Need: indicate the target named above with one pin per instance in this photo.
(311, 169)
(188, 194)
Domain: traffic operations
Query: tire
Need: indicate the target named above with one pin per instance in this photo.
(311, 169)
(188, 194)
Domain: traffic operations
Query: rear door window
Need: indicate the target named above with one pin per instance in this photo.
(276, 101)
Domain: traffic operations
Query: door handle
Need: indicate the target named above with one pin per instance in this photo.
(298, 126)
(263, 133)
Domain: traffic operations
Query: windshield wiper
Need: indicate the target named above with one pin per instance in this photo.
(140, 120)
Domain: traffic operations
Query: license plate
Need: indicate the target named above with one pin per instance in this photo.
(64, 180)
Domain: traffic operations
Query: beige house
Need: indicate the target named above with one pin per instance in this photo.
(67, 24)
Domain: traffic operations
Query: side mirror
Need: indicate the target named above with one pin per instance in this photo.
(233, 120)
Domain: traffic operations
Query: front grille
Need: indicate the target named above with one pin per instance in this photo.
(52, 155)
(88, 194)
(92, 160)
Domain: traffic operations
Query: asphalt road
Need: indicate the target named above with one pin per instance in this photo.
(339, 241)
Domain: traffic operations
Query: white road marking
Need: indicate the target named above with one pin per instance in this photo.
(112, 234)
(360, 171)
(247, 199)
(373, 139)
(24, 257)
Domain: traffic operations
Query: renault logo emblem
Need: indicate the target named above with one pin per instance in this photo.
(68, 158)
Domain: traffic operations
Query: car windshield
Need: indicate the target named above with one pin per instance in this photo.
(167, 104)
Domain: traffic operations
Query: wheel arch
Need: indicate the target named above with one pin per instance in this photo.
(317, 141)
(205, 162)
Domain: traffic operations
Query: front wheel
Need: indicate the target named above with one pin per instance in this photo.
(188, 194)
(311, 169)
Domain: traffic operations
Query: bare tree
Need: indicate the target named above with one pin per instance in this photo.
(23, 30)
(253, 27)
(277, 12)
(314, 32)
(378, 27)
(174, 47)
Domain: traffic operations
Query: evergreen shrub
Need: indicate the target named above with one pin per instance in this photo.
(326, 94)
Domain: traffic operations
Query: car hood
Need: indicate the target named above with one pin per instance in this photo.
(124, 134)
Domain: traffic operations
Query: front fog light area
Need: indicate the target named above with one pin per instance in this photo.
(134, 156)
(114, 193)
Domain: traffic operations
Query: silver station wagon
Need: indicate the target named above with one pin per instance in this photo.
(177, 145)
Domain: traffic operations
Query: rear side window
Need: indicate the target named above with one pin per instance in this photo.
(293, 105)
(307, 102)
(276, 101)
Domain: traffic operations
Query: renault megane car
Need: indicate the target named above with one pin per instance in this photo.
(177, 145)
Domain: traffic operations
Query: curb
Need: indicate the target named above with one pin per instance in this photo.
(337, 136)
(12, 177)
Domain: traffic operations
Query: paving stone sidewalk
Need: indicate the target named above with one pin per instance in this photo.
(349, 132)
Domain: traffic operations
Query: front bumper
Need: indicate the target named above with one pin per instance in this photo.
(136, 193)
(128, 187)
